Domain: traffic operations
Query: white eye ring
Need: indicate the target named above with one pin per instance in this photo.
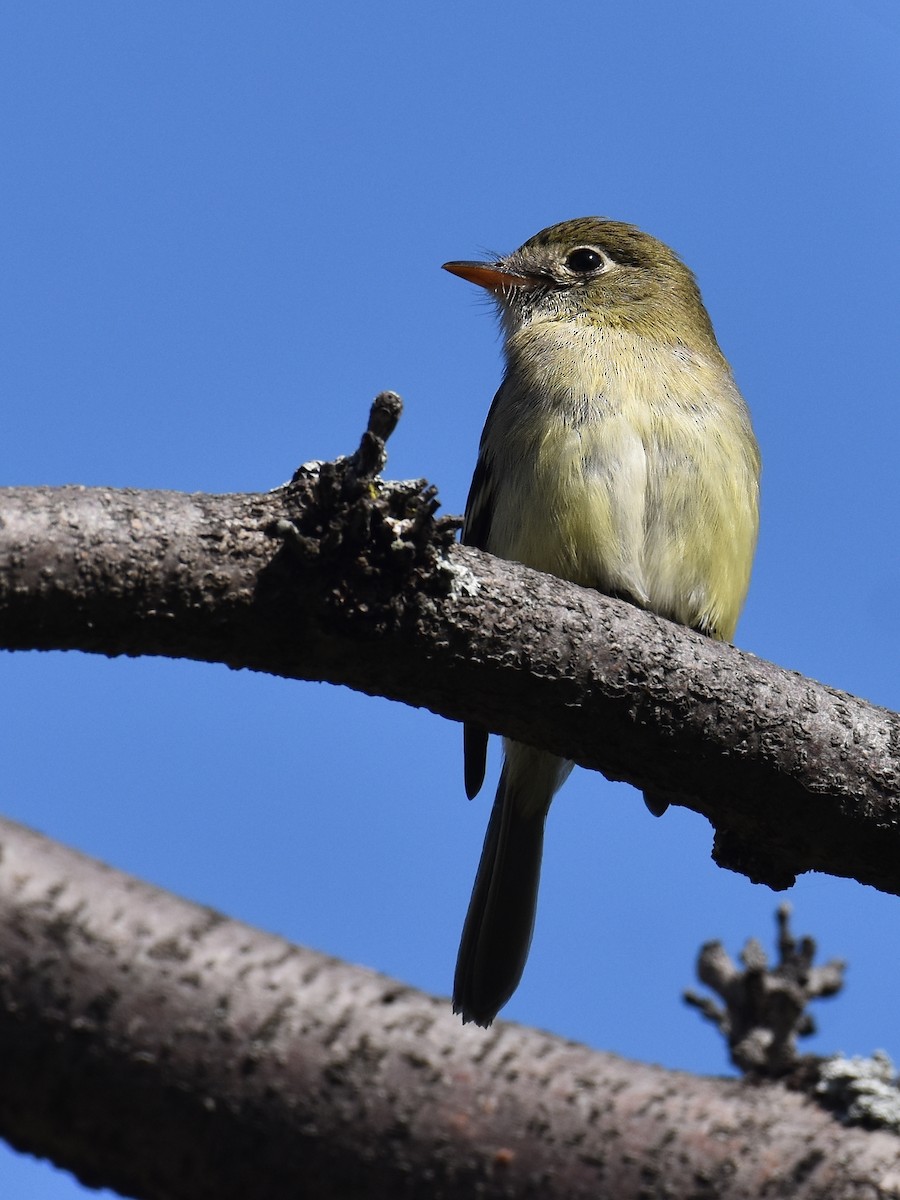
(586, 260)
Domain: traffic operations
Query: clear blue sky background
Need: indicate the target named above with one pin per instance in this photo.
(222, 231)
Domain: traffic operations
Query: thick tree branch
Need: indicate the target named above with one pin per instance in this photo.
(157, 1048)
(342, 578)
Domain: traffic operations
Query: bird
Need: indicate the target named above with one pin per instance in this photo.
(618, 454)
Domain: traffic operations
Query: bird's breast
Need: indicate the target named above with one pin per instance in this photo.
(629, 467)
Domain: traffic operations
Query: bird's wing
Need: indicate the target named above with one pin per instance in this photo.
(480, 504)
(476, 532)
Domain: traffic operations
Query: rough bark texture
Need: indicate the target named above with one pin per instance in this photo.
(157, 1048)
(336, 578)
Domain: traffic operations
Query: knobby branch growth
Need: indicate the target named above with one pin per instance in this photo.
(764, 1008)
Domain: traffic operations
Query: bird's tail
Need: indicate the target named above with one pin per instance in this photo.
(497, 933)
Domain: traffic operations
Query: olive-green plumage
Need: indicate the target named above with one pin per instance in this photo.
(619, 454)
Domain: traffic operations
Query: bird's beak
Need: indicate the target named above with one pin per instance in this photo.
(490, 276)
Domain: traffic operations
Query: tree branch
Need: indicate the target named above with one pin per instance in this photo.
(348, 579)
(152, 1046)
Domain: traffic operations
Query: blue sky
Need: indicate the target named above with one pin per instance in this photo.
(222, 231)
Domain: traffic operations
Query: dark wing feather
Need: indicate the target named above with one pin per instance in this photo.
(480, 504)
(476, 532)
(475, 744)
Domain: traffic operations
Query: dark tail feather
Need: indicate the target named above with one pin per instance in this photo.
(500, 921)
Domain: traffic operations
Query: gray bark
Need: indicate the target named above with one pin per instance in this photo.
(154, 1047)
(339, 579)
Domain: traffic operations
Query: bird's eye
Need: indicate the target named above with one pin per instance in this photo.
(584, 260)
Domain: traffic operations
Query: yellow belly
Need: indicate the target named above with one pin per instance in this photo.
(641, 481)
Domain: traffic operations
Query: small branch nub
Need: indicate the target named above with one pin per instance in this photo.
(376, 542)
(369, 460)
(764, 1008)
